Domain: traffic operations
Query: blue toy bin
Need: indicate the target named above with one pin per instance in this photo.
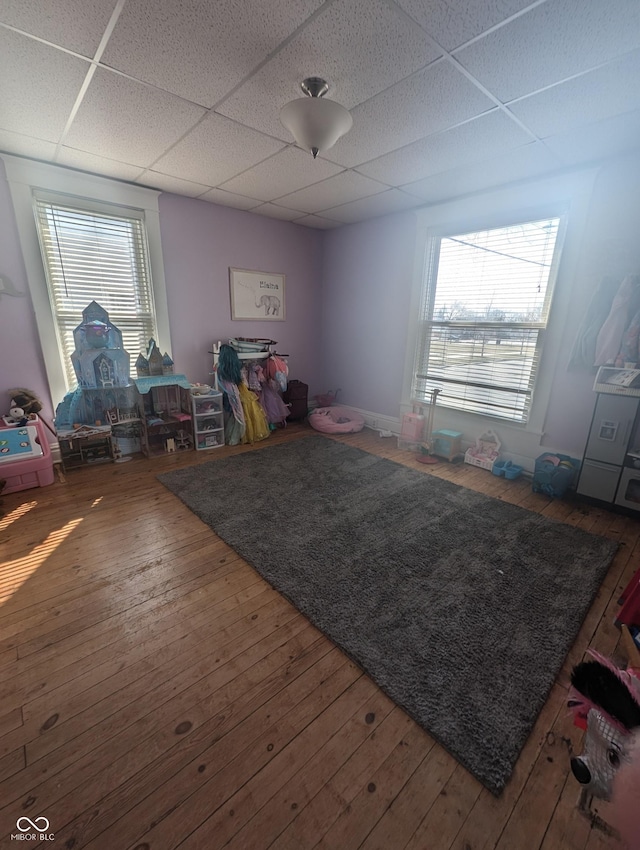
(554, 474)
(507, 468)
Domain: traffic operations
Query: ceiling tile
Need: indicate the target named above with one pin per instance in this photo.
(598, 94)
(228, 199)
(452, 22)
(318, 222)
(610, 137)
(166, 183)
(38, 86)
(523, 162)
(128, 121)
(360, 47)
(75, 24)
(26, 146)
(97, 164)
(344, 187)
(274, 211)
(471, 142)
(433, 99)
(206, 48)
(394, 200)
(287, 171)
(552, 42)
(216, 150)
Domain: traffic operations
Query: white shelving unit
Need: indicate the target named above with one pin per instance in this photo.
(208, 420)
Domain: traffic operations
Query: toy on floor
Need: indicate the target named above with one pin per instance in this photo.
(605, 701)
(336, 420)
(485, 452)
(625, 799)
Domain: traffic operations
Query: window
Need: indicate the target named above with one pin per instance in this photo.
(485, 307)
(104, 202)
(101, 255)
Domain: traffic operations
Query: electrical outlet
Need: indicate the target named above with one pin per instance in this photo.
(374, 423)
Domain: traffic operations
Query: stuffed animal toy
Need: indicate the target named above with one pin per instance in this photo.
(30, 404)
(17, 416)
(26, 399)
(606, 702)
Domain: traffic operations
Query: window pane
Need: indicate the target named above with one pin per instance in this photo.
(95, 256)
(483, 317)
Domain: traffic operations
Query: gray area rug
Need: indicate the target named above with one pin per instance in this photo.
(461, 607)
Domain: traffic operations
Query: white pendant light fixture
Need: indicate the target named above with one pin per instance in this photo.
(315, 123)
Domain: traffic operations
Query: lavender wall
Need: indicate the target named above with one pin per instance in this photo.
(367, 288)
(611, 246)
(21, 363)
(200, 241)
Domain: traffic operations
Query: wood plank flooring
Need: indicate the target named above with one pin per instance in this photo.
(156, 693)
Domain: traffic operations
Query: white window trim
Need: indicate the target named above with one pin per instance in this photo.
(567, 193)
(25, 176)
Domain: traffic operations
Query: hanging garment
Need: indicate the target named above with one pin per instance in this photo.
(631, 337)
(274, 407)
(583, 355)
(229, 366)
(234, 421)
(256, 425)
(278, 371)
(610, 336)
(255, 377)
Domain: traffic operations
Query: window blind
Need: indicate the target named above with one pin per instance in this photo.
(485, 308)
(93, 255)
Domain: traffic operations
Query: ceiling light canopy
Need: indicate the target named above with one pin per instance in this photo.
(315, 123)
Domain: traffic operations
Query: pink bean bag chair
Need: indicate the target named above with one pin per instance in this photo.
(336, 420)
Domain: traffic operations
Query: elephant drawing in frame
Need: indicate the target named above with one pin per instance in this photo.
(271, 304)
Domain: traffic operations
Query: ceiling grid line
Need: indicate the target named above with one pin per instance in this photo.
(447, 98)
(106, 35)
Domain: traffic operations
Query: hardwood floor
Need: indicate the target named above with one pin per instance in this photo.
(157, 693)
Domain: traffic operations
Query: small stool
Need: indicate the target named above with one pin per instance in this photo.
(446, 444)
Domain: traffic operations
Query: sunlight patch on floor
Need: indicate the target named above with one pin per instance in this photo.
(14, 515)
(13, 574)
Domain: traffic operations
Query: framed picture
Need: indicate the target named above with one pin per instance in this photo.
(257, 295)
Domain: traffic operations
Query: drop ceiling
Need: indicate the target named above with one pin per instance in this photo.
(448, 97)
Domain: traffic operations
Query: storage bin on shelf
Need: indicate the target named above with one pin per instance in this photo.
(485, 452)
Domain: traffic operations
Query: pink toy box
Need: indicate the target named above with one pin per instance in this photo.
(25, 458)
